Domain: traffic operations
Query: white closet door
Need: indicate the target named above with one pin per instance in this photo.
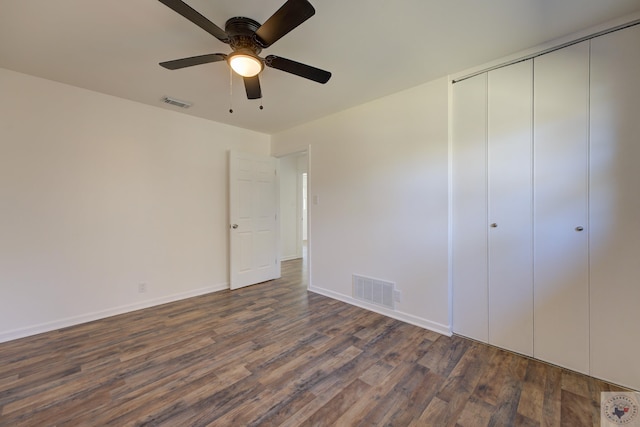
(561, 252)
(510, 207)
(615, 207)
(470, 305)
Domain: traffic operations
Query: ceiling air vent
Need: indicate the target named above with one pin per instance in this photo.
(176, 102)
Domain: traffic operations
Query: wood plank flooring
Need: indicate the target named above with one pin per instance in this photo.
(274, 354)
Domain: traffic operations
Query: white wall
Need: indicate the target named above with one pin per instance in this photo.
(380, 173)
(99, 194)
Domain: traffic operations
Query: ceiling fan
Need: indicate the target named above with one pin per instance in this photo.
(247, 38)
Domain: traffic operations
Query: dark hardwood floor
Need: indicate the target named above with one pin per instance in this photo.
(275, 354)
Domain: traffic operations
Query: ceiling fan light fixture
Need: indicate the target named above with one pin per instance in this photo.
(245, 64)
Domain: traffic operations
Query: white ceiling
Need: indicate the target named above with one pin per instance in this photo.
(372, 47)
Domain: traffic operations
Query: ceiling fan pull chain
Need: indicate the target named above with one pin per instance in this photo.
(230, 90)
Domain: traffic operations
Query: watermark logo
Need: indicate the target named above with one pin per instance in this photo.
(620, 409)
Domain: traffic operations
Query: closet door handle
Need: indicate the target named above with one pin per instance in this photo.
(494, 225)
(579, 228)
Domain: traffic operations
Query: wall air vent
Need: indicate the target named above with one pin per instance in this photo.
(374, 291)
(176, 102)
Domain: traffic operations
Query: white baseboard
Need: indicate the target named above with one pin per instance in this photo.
(89, 317)
(398, 315)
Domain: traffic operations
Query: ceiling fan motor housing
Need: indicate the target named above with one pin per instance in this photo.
(241, 32)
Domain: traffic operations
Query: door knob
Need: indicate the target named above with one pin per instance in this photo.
(579, 228)
(234, 226)
(494, 225)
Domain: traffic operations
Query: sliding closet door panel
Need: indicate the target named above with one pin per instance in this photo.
(561, 252)
(615, 207)
(470, 305)
(510, 207)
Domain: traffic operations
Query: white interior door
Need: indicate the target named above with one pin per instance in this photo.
(253, 206)
(510, 207)
(561, 272)
(615, 207)
(470, 298)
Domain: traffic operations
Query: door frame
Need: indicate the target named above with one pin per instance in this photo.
(299, 232)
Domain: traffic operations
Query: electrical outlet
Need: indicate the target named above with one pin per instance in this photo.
(142, 288)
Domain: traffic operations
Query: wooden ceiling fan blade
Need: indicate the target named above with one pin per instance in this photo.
(176, 64)
(192, 15)
(252, 86)
(297, 68)
(288, 17)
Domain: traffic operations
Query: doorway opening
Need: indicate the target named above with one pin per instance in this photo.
(293, 206)
(305, 219)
